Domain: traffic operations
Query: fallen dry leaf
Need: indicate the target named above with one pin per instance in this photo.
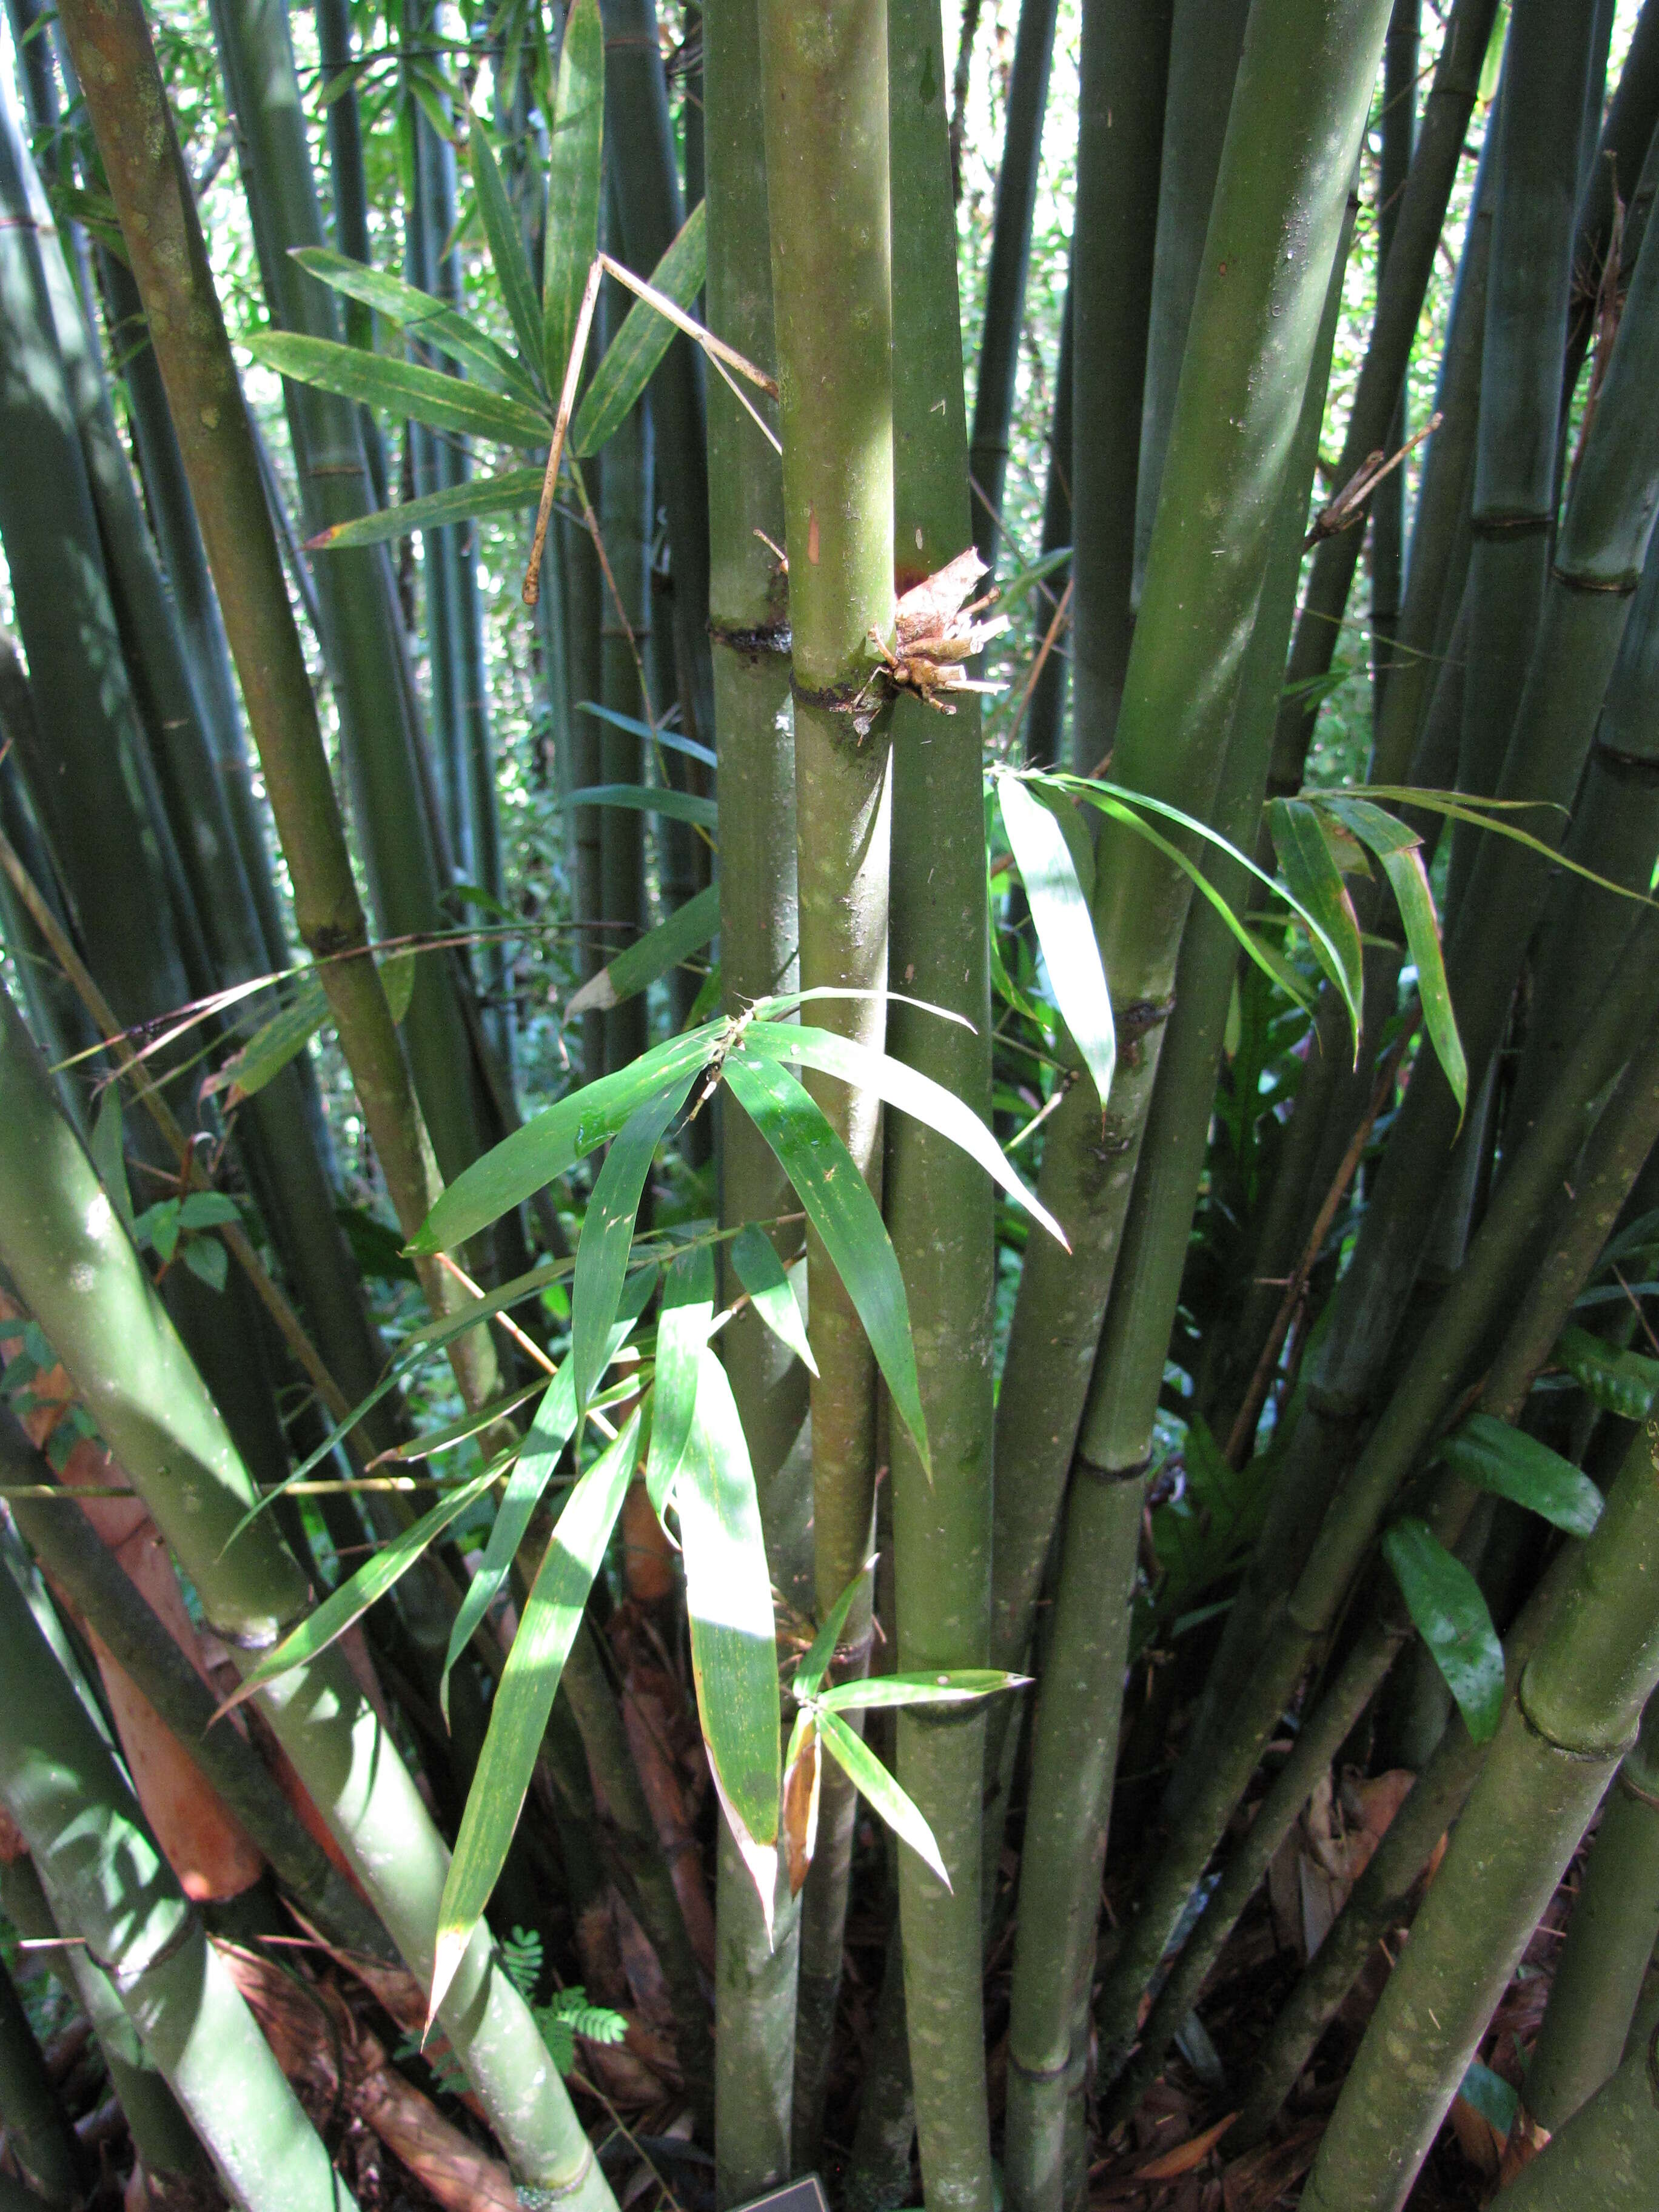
(1185, 2156)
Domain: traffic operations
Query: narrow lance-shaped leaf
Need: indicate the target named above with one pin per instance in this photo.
(837, 1202)
(861, 1767)
(506, 248)
(810, 1675)
(509, 493)
(1401, 856)
(1450, 1613)
(552, 1143)
(687, 930)
(758, 1268)
(900, 1086)
(1315, 883)
(404, 387)
(1065, 929)
(728, 1597)
(632, 356)
(958, 1686)
(650, 799)
(607, 1235)
(575, 172)
(1618, 1380)
(524, 1698)
(803, 1783)
(1494, 1456)
(683, 1327)
(422, 316)
(675, 741)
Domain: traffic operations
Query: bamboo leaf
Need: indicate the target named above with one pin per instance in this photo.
(758, 1268)
(728, 1598)
(507, 493)
(675, 741)
(803, 1780)
(607, 1235)
(575, 172)
(1065, 929)
(108, 1153)
(538, 1458)
(1487, 813)
(900, 1086)
(506, 248)
(649, 798)
(1494, 1456)
(632, 356)
(403, 387)
(423, 318)
(683, 1327)
(524, 1698)
(861, 1767)
(815, 1665)
(1315, 879)
(1619, 1381)
(377, 1575)
(961, 1686)
(687, 930)
(552, 1143)
(398, 980)
(839, 1206)
(1450, 1613)
(269, 1049)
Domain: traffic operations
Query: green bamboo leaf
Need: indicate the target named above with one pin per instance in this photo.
(1315, 879)
(1065, 929)
(552, 1143)
(675, 741)
(649, 798)
(423, 318)
(900, 1086)
(728, 1598)
(1450, 1613)
(398, 978)
(524, 1698)
(366, 1587)
(108, 1153)
(1494, 1456)
(758, 1268)
(861, 1767)
(815, 1665)
(575, 173)
(507, 249)
(403, 387)
(838, 1203)
(550, 1432)
(607, 1235)
(1620, 1381)
(960, 1686)
(683, 1327)
(687, 930)
(435, 1441)
(280, 1040)
(1487, 814)
(632, 356)
(509, 493)
(1495, 2100)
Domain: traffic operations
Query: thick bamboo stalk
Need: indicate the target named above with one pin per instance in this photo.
(1612, 172)
(938, 1201)
(755, 1992)
(625, 511)
(1123, 68)
(344, 126)
(825, 78)
(75, 1269)
(1398, 135)
(1603, 2158)
(1047, 710)
(38, 2132)
(1005, 277)
(62, 1787)
(1305, 76)
(1574, 1717)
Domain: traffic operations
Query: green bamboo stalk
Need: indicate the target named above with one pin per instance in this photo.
(825, 80)
(1510, 1239)
(76, 1271)
(585, 606)
(1075, 1741)
(38, 2131)
(1005, 277)
(1574, 1717)
(1399, 134)
(1419, 218)
(1603, 2159)
(1046, 713)
(1123, 66)
(755, 1990)
(1610, 1939)
(625, 510)
(878, 2172)
(938, 1202)
(1305, 78)
(109, 1883)
(1206, 44)
(1625, 136)
(94, 1582)
(162, 2137)
(344, 125)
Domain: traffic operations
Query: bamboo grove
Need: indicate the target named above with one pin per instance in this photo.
(829, 1223)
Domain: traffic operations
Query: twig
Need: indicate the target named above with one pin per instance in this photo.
(573, 370)
(1344, 509)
